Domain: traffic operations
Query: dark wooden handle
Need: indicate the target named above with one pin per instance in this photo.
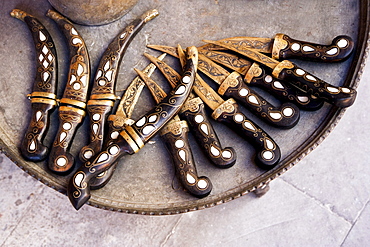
(268, 152)
(194, 113)
(310, 84)
(259, 77)
(285, 116)
(285, 47)
(60, 160)
(175, 136)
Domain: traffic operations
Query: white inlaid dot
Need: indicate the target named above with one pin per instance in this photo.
(80, 69)
(204, 128)
(346, 90)
(103, 157)
(50, 57)
(342, 43)
(106, 65)
(45, 64)
(182, 155)
(186, 79)
(152, 118)
(268, 78)
(88, 154)
(45, 50)
(180, 90)
(275, 115)
(332, 89)
(296, 47)
(288, 112)
(62, 136)
(148, 129)
(214, 151)
(113, 150)
(269, 144)
(268, 155)
(123, 35)
(202, 184)
(199, 118)
(76, 41)
(45, 76)
(190, 179)
(99, 74)
(32, 146)
(78, 179)
(38, 115)
(67, 126)
(96, 117)
(41, 57)
(307, 48)
(303, 99)
(179, 143)
(311, 78)
(277, 84)
(243, 92)
(102, 82)
(300, 71)
(253, 99)
(332, 51)
(95, 128)
(114, 135)
(42, 36)
(76, 86)
(249, 125)
(61, 161)
(73, 31)
(239, 118)
(226, 154)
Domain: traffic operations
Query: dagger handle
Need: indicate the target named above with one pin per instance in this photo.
(338, 96)
(286, 116)
(285, 47)
(175, 136)
(60, 160)
(32, 147)
(257, 76)
(79, 185)
(268, 152)
(194, 113)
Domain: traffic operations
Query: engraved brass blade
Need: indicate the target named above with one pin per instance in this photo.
(212, 70)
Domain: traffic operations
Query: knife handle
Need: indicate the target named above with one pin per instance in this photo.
(257, 76)
(175, 136)
(285, 47)
(286, 116)
(32, 147)
(268, 152)
(60, 160)
(194, 113)
(338, 96)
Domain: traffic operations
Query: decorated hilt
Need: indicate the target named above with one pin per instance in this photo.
(73, 103)
(134, 137)
(43, 98)
(103, 95)
(310, 84)
(268, 152)
(285, 47)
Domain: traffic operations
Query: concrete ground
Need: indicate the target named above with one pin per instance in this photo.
(322, 201)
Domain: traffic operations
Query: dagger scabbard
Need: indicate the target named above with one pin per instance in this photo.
(73, 102)
(175, 136)
(102, 97)
(194, 113)
(268, 152)
(285, 47)
(43, 98)
(134, 137)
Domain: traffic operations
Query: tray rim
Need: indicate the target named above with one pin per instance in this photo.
(326, 127)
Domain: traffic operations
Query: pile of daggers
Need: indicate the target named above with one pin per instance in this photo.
(236, 64)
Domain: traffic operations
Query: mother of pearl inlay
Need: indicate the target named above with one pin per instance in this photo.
(78, 179)
(199, 118)
(42, 36)
(243, 92)
(342, 43)
(148, 129)
(61, 161)
(190, 179)
(202, 184)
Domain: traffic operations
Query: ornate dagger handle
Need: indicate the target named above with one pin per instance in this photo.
(338, 96)
(73, 102)
(194, 113)
(285, 47)
(286, 116)
(268, 152)
(43, 98)
(134, 137)
(257, 76)
(175, 136)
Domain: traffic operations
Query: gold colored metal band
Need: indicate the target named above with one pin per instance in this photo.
(175, 128)
(73, 109)
(191, 105)
(129, 141)
(279, 44)
(135, 136)
(105, 96)
(73, 102)
(230, 81)
(282, 65)
(44, 101)
(101, 102)
(254, 71)
(43, 95)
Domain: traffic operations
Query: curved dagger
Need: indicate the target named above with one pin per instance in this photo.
(193, 112)
(134, 137)
(283, 47)
(175, 137)
(118, 121)
(73, 103)
(102, 96)
(286, 70)
(43, 98)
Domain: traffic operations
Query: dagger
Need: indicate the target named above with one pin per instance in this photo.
(133, 137)
(73, 103)
(122, 118)
(286, 70)
(227, 112)
(194, 113)
(232, 86)
(256, 75)
(175, 137)
(102, 96)
(43, 97)
(283, 47)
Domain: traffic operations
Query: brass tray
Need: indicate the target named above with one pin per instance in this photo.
(144, 183)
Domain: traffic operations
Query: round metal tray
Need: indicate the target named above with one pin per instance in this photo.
(145, 183)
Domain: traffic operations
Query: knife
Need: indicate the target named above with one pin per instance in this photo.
(73, 103)
(232, 86)
(175, 137)
(227, 112)
(43, 97)
(134, 137)
(194, 113)
(102, 96)
(286, 70)
(256, 75)
(283, 47)
(122, 118)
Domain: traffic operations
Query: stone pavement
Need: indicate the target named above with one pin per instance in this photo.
(323, 201)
